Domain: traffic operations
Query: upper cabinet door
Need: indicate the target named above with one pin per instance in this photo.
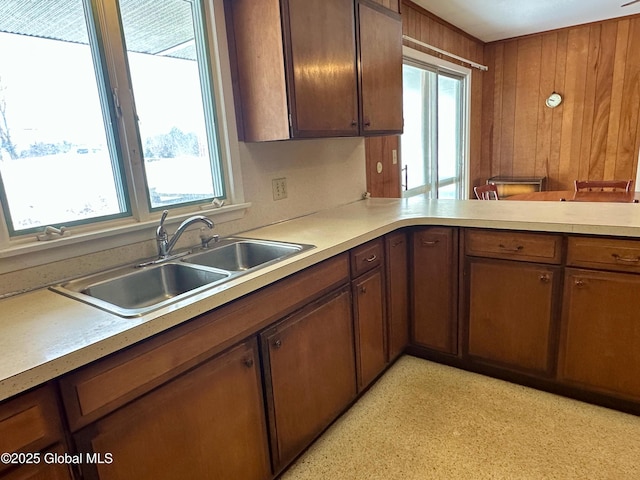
(298, 72)
(380, 69)
(322, 73)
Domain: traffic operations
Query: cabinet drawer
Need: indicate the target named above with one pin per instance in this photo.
(526, 247)
(366, 257)
(29, 422)
(604, 253)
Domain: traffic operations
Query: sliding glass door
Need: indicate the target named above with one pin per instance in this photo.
(434, 141)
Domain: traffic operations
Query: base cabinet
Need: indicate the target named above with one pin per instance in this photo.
(206, 423)
(434, 280)
(397, 287)
(370, 326)
(31, 436)
(512, 314)
(310, 373)
(369, 311)
(600, 337)
(512, 302)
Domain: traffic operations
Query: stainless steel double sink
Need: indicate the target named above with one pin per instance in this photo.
(135, 290)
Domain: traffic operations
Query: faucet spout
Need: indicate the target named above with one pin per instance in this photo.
(165, 245)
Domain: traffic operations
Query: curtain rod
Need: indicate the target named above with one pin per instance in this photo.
(484, 68)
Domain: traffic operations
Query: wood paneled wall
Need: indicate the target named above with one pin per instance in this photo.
(594, 134)
(390, 4)
(424, 26)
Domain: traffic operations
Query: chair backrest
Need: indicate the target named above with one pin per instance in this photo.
(603, 185)
(486, 192)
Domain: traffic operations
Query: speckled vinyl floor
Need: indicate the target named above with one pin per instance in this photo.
(423, 420)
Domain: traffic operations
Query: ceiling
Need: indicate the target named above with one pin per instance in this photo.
(490, 20)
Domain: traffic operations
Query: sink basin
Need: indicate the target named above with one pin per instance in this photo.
(244, 254)
(131, 291)
(135, 290)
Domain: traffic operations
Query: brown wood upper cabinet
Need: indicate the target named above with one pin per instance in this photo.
(314, 68)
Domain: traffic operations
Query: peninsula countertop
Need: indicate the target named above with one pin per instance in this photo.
(44, 334)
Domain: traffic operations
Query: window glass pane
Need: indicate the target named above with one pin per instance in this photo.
(449, 113)
(55, 160)
(415, 139)
(448, 191)
(175, 119)
(432, 143)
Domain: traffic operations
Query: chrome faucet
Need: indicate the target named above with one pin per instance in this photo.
(165, 246)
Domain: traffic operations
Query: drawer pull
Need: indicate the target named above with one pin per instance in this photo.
(619, 258)
(517, 248)
(399, 242)
(277, 344)
(544, 277)
(363, 289)
(372, 258)
(248, 362)
(430, 243)
(578, 282)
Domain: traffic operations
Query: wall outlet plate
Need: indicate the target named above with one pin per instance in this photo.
(279, 186)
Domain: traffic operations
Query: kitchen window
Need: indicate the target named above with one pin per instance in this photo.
(434, 144)
(107, 111)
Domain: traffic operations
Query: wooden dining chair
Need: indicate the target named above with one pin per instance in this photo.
(486, 192)
(603, 185)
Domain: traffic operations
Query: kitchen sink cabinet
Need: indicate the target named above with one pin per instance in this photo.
(310, 373)
(206, 423)
(369, 311)
(298, 68)
(397, 291)
(512, 303)
(434, 280)
(31, 431)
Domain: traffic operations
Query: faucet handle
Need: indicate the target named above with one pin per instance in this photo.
(161, 233)
(164, 217)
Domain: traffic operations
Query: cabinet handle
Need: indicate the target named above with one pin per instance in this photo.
(399, 242)
(354, 123)
(277, 343)
(363, 289)
(367, 124)
(372, 258)
(430, 243)
(578, 282)
(248, 362)
(619, 258)
(544, 277)
(517, 248)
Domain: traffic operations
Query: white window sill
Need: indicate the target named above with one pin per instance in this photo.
(29, 252)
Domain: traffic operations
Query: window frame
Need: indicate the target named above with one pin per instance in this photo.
(140, 222)
(425, 61)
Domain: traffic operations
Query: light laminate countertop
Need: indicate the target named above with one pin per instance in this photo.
(44, 334)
